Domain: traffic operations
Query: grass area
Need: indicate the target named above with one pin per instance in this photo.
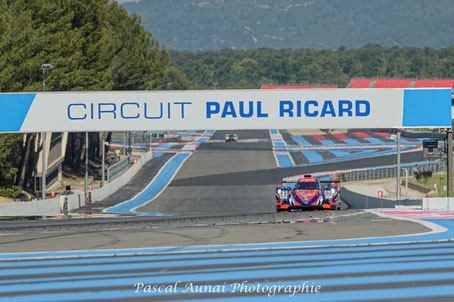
(439, 180)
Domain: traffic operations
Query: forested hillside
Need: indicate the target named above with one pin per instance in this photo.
(256, 67)
(92, 45)
(320, 24)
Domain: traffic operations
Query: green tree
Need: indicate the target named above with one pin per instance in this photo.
(10, 146)
(92, 44)
(177, 78)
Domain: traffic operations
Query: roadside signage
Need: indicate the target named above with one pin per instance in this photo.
(380, 194)
(225, 109)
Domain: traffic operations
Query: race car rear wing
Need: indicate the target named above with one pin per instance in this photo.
(324, 183)
(329, 181)
(321, 181)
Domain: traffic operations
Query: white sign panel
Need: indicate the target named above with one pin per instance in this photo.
(225, 109)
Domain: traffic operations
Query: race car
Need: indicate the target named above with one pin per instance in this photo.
(231, 138)
(308, 193)
(332, 194)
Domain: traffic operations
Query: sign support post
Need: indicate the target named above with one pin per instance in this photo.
(151, 144)
(398, 165)
(86, 166)
(103, 174)
(43, 176)
(449, 161)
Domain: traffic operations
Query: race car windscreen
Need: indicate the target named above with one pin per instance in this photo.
(289, 184)
(306, 186)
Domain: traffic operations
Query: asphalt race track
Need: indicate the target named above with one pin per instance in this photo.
(219, 187)
(238, 178)
(206, 184)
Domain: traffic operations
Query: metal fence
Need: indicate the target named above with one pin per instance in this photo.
(117, 169)
(389, 172)
(141, 140)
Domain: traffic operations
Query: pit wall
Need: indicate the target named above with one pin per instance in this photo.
(438, 204)
(64, 204)
(360, 201)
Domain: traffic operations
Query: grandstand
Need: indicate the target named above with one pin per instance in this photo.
(297, 87)
(399, 83)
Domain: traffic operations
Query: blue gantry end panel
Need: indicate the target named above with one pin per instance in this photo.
(427, 108)
(13, 110)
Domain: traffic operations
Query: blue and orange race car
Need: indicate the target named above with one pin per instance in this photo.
(308, 193)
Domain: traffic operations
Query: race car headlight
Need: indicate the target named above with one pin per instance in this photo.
(282, 193)
(330, 193)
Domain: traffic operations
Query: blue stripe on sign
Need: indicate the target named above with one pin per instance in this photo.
(13, 110)
(427, 107)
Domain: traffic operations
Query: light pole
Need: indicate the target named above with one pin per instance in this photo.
(124, 142)
(129, 143)
(86, 167)
(151, 144)
(103, 174)
(44, 67)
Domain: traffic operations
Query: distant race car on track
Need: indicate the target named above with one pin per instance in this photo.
(308, 193)
(231, 138)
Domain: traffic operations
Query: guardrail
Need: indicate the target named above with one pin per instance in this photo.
(117, 169)
(388, 172)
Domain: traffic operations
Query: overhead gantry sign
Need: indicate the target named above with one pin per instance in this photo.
(225, 109)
